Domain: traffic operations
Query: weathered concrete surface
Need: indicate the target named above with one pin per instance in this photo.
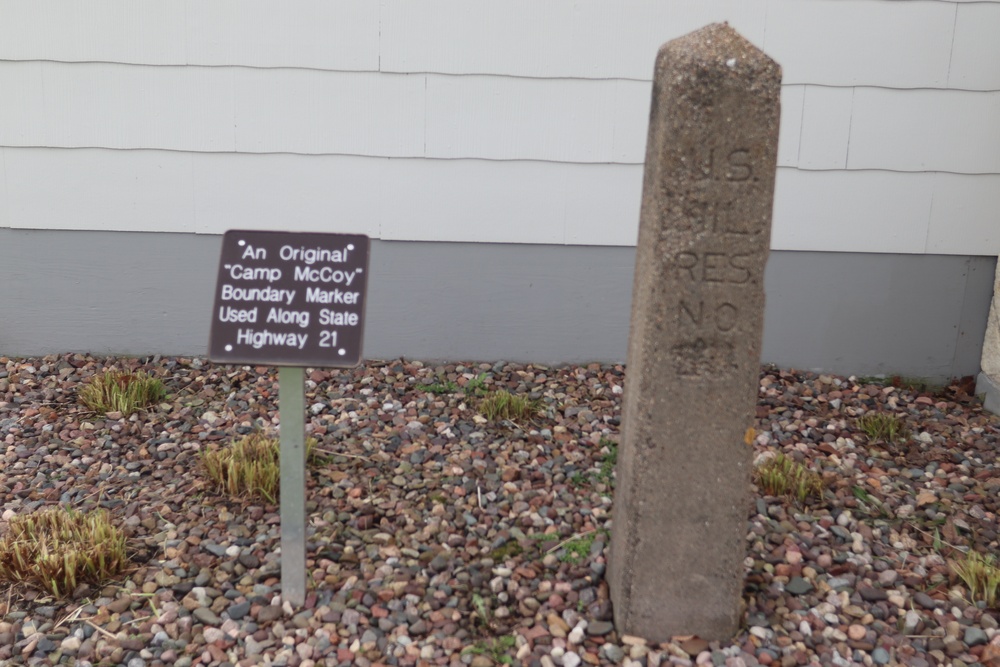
(677, 546)
(988, 382)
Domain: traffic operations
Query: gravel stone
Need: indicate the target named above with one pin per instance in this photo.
(207, 616)
(798, 586)
(238, 610)
(975, 637)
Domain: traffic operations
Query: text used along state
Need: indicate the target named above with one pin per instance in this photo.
(290, 297)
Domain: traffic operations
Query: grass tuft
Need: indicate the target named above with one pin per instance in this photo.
(507, 550)
(57, 549)
(477, 385)
(577, 550)
(980, 575)
(502, 404)
(447, 387)
(608, 462)
(496, 649)
(781, 476)
(883, 426)
(249, 466)
(122, 391)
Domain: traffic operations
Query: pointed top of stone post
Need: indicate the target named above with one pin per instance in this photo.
(718, 43)
(718, 48)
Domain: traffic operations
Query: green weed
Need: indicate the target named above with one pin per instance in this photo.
(476, 385)
(57, 549)
(870, 379)
(578, 549)
(545, 537)
(608, 462)
(500, 405)
(869, 504)
(883, 426)
(249, 466)
(496, 649)
(121, 391)
(447, 387)
(781, 476)
(980, 575)
(509, 549)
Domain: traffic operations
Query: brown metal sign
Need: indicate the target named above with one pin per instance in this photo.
(290, 299)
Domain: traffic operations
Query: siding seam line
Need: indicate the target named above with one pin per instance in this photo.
(802, 123)
(930, 213)
(475, 158)
(850, 126)
(951, 51)
(494, 75)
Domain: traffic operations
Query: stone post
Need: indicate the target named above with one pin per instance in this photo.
(988, 382)
(682, 497)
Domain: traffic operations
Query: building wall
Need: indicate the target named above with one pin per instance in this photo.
(520, 123)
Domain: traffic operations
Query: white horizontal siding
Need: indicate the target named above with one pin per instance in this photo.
(307, 111)
(470, 200)
(825, 42)
(975, 60)
(340, 35)
(503, 118)
(447, 120)
(147, 191)
(320, 34)
(208, 109)
(457, 200)
(117, 106)
(829, 42)
(125, 31)
(965, 215)
(556, 38)
(887, 212)
(825, 128)
(835, 211)
(861, 42)
(925, 130)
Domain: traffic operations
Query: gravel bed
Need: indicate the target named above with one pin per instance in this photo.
(438, 538)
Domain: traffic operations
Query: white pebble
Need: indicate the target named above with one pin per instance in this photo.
(213, 635)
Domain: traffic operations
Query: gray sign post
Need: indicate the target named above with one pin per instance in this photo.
(290, 300)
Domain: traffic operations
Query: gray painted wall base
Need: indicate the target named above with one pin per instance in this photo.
(989, 389)
(143, 293)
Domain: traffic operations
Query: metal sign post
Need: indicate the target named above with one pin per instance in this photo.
(291, 403)
(290, 300)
